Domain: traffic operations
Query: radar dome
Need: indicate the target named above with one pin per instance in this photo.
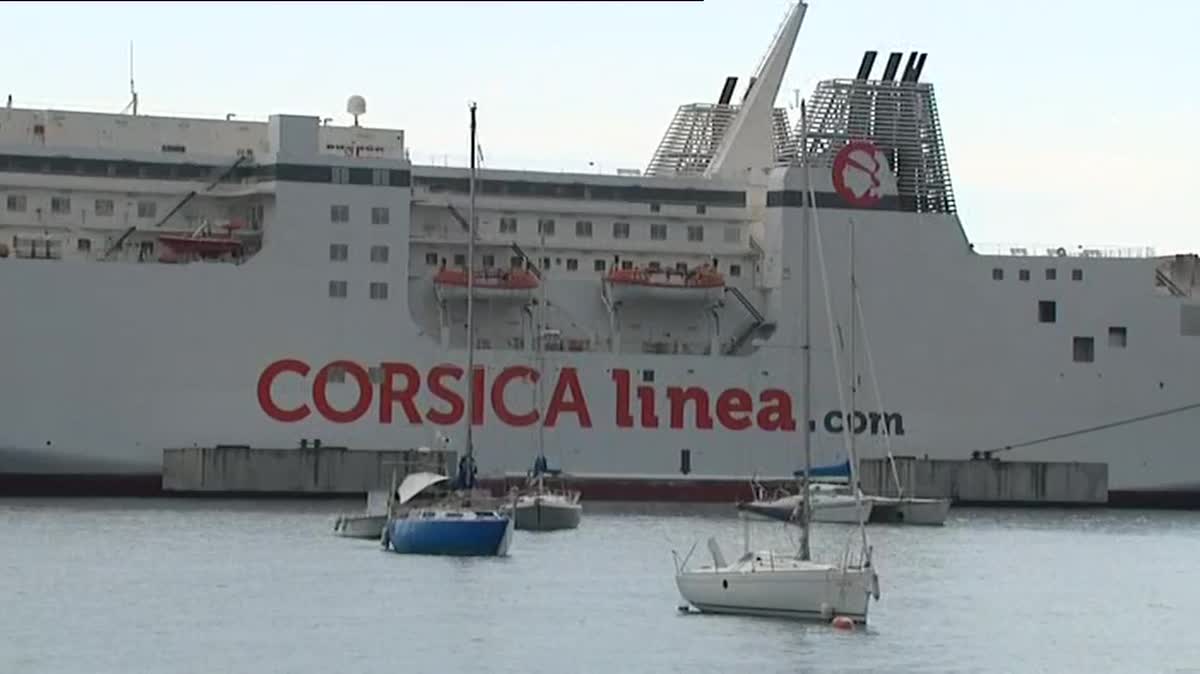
(356, 105)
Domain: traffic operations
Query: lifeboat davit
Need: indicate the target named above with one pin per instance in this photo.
(703, 284)
(491, 284)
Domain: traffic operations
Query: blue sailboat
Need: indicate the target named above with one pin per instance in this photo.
(456, 523)
(447, 524)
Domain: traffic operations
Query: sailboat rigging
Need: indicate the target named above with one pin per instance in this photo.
(454, 524)
(539, 507)
(766, 583)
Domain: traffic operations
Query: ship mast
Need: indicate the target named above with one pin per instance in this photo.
(469, 477)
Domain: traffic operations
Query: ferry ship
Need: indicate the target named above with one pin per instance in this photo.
(172, 282)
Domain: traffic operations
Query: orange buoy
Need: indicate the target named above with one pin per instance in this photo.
(842, 623)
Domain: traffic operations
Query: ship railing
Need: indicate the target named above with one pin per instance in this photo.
(1052, 250)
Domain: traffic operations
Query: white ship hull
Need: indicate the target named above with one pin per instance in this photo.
(106, 363)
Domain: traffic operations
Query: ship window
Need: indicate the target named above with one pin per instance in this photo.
(572, 264)
(104, 207)
(489, 261)
(60, 204)
(733, 234)
(997, 274)
(546, 227)
(337, 375)
(545, 263)
(1076, 274)
(379, 253)
(380, 215)
(654, 266)
(341, 175)
(658, 232)
(1117, 337)
(648, 376)
(1189, 320)
(338, 252)
(379, 290)
(339, 213)
(515, 262)
(460, 260)
(15, 203)
(1051, 274)
(1047, 311)
(654, 208)
(735, 270)
(337, 289)
(508, 225)
(1084, 349)
(685, 461)
(1023, 274)
(375, 374)
(695, 233)
(681, 267)
(701, 209)
(620, 230)
(85, 245)
(598, 265)
(147, 209)
(379, 177)
(431, 259)
(583, 229)
(626, 264)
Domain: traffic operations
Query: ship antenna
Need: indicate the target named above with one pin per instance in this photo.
(132, 90)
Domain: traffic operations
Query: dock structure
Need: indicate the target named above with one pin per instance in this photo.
(300, 471)
(313, 471)
(990, 481)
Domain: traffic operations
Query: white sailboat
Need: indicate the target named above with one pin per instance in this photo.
(540, 506)
(901, 508)
(790, 585)
(839, 502)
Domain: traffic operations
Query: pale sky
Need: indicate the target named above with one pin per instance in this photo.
(1066, 122)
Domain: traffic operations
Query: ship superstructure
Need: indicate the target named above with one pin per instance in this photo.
(171, 282)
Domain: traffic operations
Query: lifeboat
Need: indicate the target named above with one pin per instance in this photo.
(490, 284)
(203, 244)
(703, 284)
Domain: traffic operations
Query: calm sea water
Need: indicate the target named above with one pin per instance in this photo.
(236, 586)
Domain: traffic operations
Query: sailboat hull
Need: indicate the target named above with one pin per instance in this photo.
(547, 514)
(806, 591)
(825, 509)
(360, 526)
(921, 511)
(482, 537)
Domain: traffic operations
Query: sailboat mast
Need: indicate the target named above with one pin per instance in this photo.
(541, 362)
(850, 418)
(806, 342)
(471, 306)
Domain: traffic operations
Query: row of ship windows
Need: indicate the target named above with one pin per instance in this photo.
(380, 215)
(620, 230)
(340, 252)
(1023, 274)
(18, 203)
(377, 290)
(572, 264)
